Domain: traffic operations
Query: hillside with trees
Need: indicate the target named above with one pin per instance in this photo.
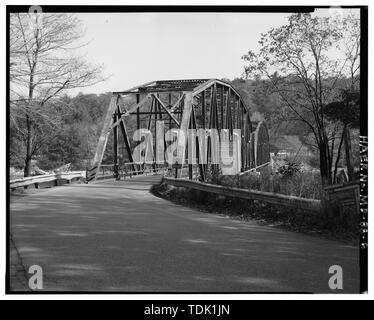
(306, 94)
(310, 64)
(44, 66)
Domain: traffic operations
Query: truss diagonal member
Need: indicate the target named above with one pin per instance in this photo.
(103, 139)
(125, 136)
(177, 103)
(166, 109)
(204, 86)
(122, 105)
(133, 108)
(185, 122)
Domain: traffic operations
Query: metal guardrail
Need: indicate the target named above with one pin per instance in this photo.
(254, 169)
(269, 197)
(56, 177)
(128, 169)
(344, 195)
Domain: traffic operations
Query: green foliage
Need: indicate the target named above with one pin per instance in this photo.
(313, 161)
(347, 109)
(289, 169)
(263, 102)
(43, 67)
(307, 63)
(74, 141)
(303, 184)
(213, 174)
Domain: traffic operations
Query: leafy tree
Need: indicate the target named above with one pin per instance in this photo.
(75, 141)
(296, 59)
(42, 67)
(346, 111)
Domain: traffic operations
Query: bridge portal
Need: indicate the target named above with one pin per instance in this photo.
(200, 104)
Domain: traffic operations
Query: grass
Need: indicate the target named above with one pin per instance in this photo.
(303, 184)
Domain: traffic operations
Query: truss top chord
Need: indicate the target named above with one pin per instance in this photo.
(167, 86)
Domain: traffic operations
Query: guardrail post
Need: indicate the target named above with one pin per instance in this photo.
(57, 181)
(176, 170)
(125, 171)
(116, 172)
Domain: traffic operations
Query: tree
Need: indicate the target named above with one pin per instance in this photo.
(42, 67)
(306, 62)
(346, 111)
(75, 142)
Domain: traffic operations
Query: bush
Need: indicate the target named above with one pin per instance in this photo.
(303, 184)
(313, 161)
(213, 174)
(289, 169)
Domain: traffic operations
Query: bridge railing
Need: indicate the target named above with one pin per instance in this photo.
(311, 205)
(129, 169)
(56, 178)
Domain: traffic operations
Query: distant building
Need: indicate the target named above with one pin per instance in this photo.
(288, 145)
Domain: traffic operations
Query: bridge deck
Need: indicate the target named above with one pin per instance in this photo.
(112, 236)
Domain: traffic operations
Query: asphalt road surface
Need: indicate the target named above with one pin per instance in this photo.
(117, 236)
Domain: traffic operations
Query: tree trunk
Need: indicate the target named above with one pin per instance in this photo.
(348, 151)
(325, 164)
(338, 155)
(27, 169)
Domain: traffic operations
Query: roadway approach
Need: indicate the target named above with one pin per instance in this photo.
(115, 236)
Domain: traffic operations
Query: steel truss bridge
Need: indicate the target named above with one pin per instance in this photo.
(182, 104)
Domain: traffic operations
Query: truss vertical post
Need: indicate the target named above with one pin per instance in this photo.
(214, 120)
(203, 109)
(237, 113)
(184, 124)
(137, 112)
(217, 126)
(203, 119)
(222, 98)
(348, 152)
(159, 115)
(169, 105)
(228, 111)
(190, 168)
(115, 148)
(150, 113)
(234, 113)
(201, 167)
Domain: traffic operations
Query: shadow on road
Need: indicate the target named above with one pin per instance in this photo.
(116, 236)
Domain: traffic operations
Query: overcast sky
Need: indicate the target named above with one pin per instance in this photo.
(137, 48)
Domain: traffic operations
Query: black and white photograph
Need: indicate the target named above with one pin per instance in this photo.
(186, 150)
